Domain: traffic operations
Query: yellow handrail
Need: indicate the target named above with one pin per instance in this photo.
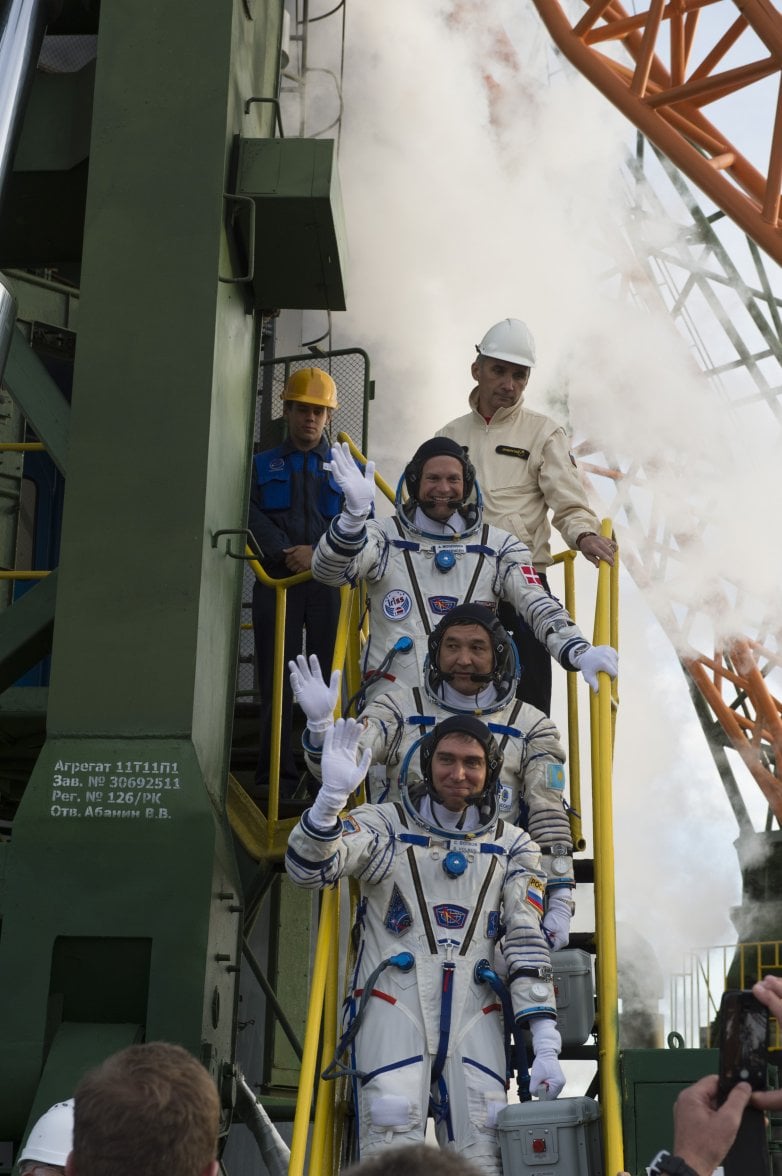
(328, 934)
(14, 575)
(602, 727)
(279, 669)
(323, 1122)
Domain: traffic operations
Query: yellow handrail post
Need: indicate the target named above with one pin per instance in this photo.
(353, 654)
(605, 897)
(327, 931)
(280, 588)
(276, 716)
(342, 637)
(323, 1123)
(614, 638)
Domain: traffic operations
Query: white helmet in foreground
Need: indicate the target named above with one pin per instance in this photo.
(510, 340)
(51, 1138)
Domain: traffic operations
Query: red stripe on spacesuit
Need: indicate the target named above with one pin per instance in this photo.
(492, 1008)
(377, 992)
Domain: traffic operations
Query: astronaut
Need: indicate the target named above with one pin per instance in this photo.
(432, 554)
(472, 667)
(441, 876)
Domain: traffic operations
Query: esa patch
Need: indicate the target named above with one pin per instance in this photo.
(398, 918)
(350, 825)
(442, 604)
(396, 604)
(555, 777)
(535, 895)
(493, 925)
(276, 464)
(530, 575)
(447, 914)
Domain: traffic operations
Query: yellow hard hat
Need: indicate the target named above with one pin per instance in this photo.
(311, 386)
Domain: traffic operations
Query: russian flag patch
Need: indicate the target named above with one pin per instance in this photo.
(535, 895)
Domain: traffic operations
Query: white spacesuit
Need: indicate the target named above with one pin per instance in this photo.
(433, 554)
(441, 877)
(464, 676)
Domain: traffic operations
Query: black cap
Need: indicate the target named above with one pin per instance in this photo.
(469, 614)
(438, 447)
(463, 725)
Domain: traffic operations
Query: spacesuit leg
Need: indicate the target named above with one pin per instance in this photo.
(392, 1097)
(474, 1077)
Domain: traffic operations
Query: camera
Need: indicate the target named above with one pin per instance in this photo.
(743, 1041)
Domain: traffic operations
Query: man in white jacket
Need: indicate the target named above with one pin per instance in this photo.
(434, 553)
(441, 876)
(525, 470)
(472, 668)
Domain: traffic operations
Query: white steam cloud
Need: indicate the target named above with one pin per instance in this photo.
(475, 188)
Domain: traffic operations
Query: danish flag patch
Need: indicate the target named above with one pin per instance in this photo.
(530, 575)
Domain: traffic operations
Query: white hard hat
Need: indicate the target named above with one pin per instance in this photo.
(510, 340)
(51, 1138)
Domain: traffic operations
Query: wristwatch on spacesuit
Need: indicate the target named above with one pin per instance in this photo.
(664, 1162)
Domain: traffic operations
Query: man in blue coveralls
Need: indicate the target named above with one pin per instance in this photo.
(292, 501)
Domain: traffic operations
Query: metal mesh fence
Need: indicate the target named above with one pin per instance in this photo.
(350, 371)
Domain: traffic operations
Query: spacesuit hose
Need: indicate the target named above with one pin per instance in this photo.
(404, 960)
(483, 972)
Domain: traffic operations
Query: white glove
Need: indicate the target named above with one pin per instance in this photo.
(315, 698)
(546, 1079)
(593, 660)
(358, 488)
(341, 774)
(556, 921)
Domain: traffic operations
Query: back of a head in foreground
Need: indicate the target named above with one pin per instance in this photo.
(414, 1160)
(150, 1109)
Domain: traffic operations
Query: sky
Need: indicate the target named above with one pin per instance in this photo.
(482, 180)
